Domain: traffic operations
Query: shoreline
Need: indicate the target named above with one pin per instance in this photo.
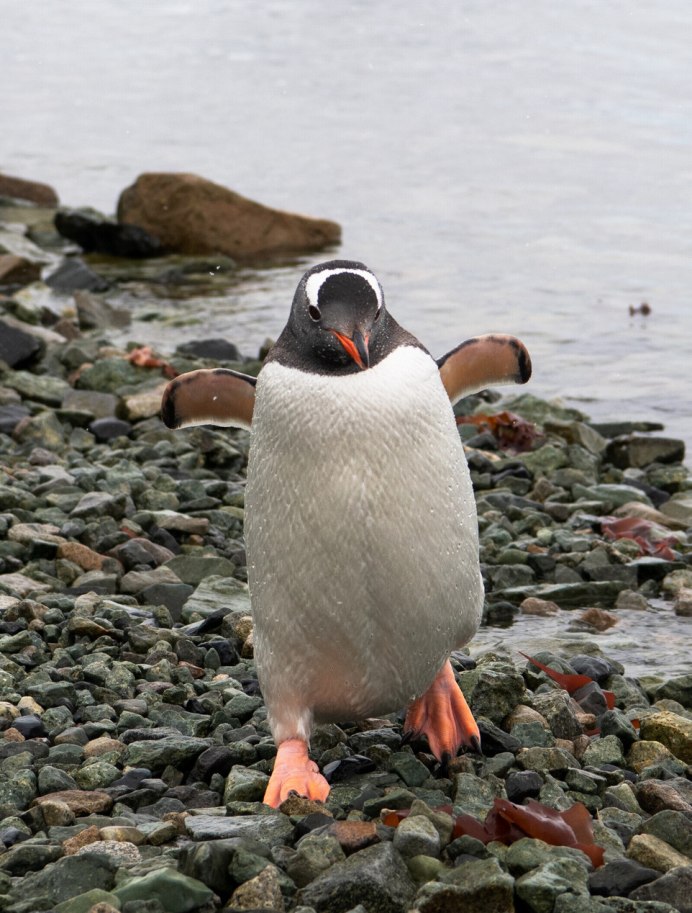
(135, 745)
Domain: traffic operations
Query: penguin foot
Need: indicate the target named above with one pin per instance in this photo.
(294, 772)
(443, 715)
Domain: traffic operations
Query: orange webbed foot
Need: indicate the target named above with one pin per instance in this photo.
(294, 772)
(443, 715)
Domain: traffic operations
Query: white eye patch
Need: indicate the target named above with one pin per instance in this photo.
(316, 281)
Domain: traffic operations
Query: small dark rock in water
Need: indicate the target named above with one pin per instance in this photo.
(74, 274)
(215, 349)
(17, 347)
(94, 232)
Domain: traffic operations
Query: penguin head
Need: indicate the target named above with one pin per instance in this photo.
(338, 312)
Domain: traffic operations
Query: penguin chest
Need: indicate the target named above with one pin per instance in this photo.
(361, 534)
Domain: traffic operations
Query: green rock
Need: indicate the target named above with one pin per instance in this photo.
(572, 595)
(540, 888)
(672, 826)
(215, 593)
(192, 569)
(475, 795)
(52, 779)
(43, 430)
(66, 878)
(97, 775)
(208, 862)
(527, 854)
(624, 824)
(108, 375)
(532, 734)
(425, 868)
(244, 784)
(39, 387)
(417, 836)
(407, 766)
(606, 750)
(555, 760)
(376, 877)
(677, 689)
(156, 754)
(545, 460)
(271, 829)
(484, 886)
(176, 892)
(497, 691)
(28, 857)
(17, 793)
(315, 854)
(82, 903)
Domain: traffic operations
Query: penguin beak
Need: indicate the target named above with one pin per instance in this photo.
(356, 347)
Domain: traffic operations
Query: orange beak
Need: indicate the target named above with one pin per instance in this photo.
(357, 347)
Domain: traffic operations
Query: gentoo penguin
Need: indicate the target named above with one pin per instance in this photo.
(360, 519)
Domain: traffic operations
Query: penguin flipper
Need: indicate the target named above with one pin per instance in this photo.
(482, 361)
(216, 396)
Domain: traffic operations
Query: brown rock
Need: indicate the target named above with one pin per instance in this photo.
(655, 853)
(13, 735)
(673, 730)
(532, 605)
(192, 215)
(103, 745)
(646, 752)
(72, 845)
(82, 802)
(598, 619)
(16, 270)
(354, 835)
(299, 805)
(655, 796)
(683, 603)
(81, 555)
(57, 814)
(33, 191)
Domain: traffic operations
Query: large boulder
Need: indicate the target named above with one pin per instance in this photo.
(192, 215)
(32, 191)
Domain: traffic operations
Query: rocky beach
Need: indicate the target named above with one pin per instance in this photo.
(135, 748)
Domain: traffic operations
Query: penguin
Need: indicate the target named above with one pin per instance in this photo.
(360, 520)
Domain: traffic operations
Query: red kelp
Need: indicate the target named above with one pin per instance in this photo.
(144, 357)
(650, 537)
(507, 822)
(571, 682)
(511, 431)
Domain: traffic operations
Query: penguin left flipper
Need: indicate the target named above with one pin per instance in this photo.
(482, 361)
(216, 396)
(294, 772)
(442, 714)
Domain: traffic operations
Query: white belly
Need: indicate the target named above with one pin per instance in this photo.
(361, 538)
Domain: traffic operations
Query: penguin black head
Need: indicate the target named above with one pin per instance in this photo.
(337, 315)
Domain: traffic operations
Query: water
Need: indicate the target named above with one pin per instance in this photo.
(512, 167)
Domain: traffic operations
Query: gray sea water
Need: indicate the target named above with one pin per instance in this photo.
(517, 167)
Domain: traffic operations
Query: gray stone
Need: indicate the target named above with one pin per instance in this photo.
(675, 888)
(245, 785)
(269, 829)
(215, 593)
(376, 877)
(28, 857)
(417, 836)
(193, 569)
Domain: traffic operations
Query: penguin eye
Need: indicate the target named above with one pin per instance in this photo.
(377, 314)
(315, 313)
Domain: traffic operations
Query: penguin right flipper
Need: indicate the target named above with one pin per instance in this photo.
(216, 396)
(482, 361)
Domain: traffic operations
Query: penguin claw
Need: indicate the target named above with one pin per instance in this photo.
(294, 774)
(443, 715)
